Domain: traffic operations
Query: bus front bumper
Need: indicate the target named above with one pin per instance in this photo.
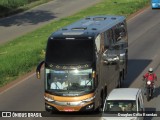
(58, 108)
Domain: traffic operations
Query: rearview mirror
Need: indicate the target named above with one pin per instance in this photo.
(38, 70)
(110, 58)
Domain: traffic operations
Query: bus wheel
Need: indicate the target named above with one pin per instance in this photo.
(100, 108)
(102, 100)
(120, 82)
(123, 74)
(105, 94)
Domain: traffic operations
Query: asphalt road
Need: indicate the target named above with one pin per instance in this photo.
(144, 52)
(20, 24)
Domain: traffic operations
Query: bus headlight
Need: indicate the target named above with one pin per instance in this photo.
(48, 99)
(88, 99)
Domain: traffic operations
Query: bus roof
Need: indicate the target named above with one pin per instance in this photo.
(89, 26)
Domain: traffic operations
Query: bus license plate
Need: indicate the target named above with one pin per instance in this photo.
(68, 109)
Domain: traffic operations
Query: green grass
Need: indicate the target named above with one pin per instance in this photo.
(24, 53)
(8, 7)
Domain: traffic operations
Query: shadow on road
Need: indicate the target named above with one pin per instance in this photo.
(157, 91)
(135, 68)
(33, 17)
(148, 112)
(72, 114)
(3, 8)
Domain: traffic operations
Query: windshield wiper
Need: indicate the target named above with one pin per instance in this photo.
(87, 83)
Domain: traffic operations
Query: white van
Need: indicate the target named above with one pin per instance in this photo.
(124, 104)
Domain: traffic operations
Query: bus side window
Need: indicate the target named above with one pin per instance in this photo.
(117, 33)
(110, 38)
(120, 31)
(123, 30)
(106, 41)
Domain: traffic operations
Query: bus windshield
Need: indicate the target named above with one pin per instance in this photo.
(69, 82)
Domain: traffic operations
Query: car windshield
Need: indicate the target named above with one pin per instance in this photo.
(69, 81)
(120, 106)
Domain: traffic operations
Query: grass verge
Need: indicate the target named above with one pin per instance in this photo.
(10, 7)
(21, 55)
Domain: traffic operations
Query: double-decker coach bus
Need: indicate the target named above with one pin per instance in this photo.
(84, 61)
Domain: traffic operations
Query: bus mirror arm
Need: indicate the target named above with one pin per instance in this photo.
(105, 59)
(38, 70)
(105, 62)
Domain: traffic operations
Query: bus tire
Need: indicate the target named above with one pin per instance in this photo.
(120, 82)
(100, 108)
(105, 93)
(123, 74)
